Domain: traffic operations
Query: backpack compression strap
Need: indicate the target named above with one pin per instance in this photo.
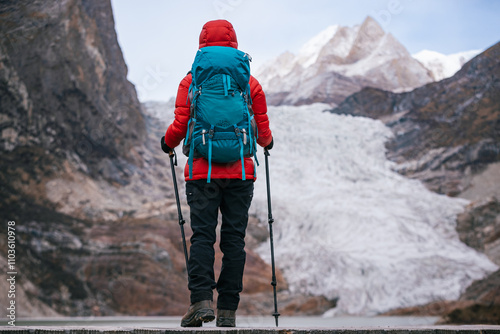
(238, 134)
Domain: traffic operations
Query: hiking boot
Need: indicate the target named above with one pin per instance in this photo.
(198, 313)
(226, 318)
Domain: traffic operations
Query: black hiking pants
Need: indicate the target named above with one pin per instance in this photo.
(232, 197)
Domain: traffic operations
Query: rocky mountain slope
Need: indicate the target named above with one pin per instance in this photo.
(447, 134)
(83, 177)
(339, 62)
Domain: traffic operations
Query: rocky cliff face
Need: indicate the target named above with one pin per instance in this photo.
(65, 86)
(83, 176)
(68, 115)
(339, 62)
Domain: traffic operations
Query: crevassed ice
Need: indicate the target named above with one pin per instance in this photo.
(348, 226)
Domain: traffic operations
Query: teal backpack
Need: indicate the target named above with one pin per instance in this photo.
(221, 127)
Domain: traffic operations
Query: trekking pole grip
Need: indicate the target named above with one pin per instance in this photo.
(173, 157)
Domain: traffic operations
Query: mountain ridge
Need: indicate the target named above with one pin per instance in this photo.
(444, 66)
(340, 61)
(346, 59)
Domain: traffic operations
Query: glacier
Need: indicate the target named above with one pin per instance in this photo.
(348, 226)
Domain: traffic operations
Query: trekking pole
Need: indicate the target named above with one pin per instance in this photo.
(173, 163)
(271, 221)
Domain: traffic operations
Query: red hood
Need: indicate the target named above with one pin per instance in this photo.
(218, 33)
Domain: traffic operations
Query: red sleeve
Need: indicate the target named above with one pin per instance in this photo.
(259, 107)
(177, 130)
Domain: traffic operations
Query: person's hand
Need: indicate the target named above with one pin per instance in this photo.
(164, 146)
(271, 144)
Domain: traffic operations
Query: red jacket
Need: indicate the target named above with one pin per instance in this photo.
(218, 33)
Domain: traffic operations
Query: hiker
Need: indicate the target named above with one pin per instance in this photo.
(212, 186)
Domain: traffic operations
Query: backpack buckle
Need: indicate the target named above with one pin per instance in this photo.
(203, 136)
(211, 133)
(238, 133)
(244, 136)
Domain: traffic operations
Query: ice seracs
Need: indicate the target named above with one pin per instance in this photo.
(347, 226)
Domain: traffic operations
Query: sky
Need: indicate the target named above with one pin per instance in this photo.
(159, 38)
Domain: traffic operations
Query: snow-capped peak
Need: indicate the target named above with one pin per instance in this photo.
(444, 66)
(340, 61)
(309, 53)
